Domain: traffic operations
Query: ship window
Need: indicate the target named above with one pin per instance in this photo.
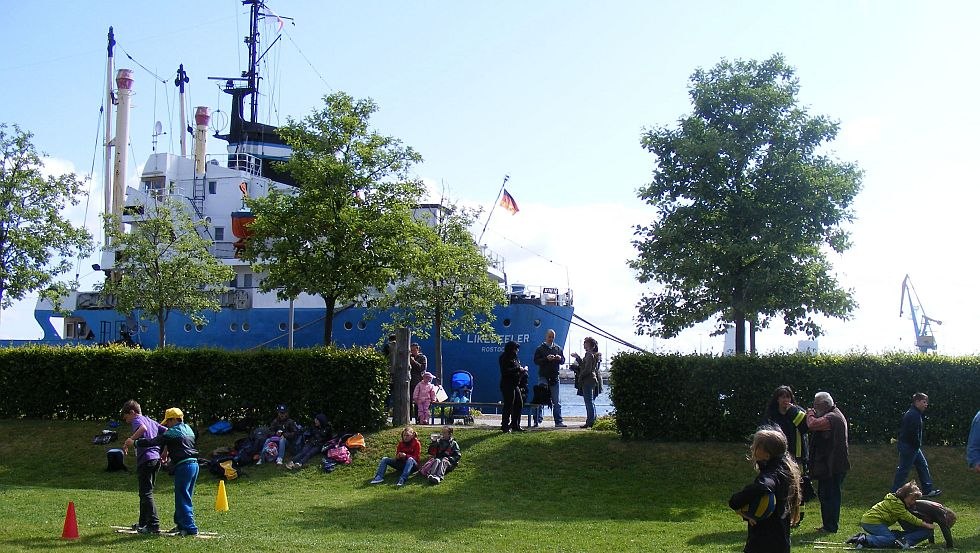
(219, 234)
(282, 327)
(361, 325)
(537, 323)
(246, 327)
(233, 282)
(234, 327)
(212, 187)
(187, 327)
(247, 280)
(506, 323)
(348, 325)
(198, 327)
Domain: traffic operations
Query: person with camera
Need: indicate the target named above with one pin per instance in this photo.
(548, 357)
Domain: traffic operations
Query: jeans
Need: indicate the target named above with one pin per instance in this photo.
(280, 441)
(588, 394)
(308, 452)
(884, 537)
(407, 466)
(907, 456)
(146, 475)
(829, 493)
(555, 402)
(185, 477)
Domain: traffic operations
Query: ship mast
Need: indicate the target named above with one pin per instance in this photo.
(179, 82)
(107, 157)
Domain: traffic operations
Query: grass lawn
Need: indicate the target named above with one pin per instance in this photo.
(549, 490)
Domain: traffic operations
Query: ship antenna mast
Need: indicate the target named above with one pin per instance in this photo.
(252, 74)
(179, 82)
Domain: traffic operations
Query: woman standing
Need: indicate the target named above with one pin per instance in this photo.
(790, 418)
(587, 378)
(510, 379)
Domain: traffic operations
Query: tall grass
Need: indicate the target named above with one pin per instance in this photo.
(549, 490)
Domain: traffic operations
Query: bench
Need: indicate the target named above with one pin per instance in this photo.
(447, 414)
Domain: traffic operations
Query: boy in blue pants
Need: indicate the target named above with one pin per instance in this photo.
(180, 442)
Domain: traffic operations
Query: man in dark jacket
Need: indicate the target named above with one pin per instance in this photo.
(910, 447)
(829, 460)
(548, 357)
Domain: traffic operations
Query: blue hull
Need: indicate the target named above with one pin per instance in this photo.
(242, 329)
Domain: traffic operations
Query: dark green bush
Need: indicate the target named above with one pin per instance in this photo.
(695, 398)
(348, 385)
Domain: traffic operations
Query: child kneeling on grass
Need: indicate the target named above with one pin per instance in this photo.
(778, 482)
(406, 459)
(892, 509)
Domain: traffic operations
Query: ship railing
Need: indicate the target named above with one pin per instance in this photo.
(245, 162)
(223, 250)
(494, 259)
(94, 300)
(239, 298)
(541, 295)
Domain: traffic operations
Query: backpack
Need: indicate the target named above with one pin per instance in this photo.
(223, 467)
(339, 454)
(271, 452)
(104, 437)
(115, 460)
(220, 427)
(542, 395)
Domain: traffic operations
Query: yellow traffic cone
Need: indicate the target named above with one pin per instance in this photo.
(221, 502)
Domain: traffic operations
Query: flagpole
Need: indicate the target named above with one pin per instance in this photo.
(492, 207)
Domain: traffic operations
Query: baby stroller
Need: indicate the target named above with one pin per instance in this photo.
(461, 387)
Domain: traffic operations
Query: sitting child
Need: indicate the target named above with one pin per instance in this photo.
(892, 509)
(283, 429)
(406, 459)
(315, 438)
(445, 454)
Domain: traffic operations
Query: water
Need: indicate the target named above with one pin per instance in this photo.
(574, 406)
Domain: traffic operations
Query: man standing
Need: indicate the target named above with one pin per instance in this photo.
(910, 448)
(417, 365)
(548, 357)
(829, 461)
(973, 445)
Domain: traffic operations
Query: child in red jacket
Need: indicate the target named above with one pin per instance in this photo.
(406, 458)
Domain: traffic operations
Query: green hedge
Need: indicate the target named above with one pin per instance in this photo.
(348, 385)
(697, 398)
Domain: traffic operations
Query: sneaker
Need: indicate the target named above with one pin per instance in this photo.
(437, 480)
(432, 478)
(297, 466)
(856, 538)
(899, 544)
(135, 526)
(259, 462)
(560, 425)
(400, 483)
(188, 532)
(377, 481)
(279, 462)
(147, 530)
(934, 493)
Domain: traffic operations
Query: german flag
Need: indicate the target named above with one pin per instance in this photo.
(507, 202)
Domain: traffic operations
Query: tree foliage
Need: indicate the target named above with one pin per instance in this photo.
(450, 289)
(37, 243)
(747, 205)
(347, 229)
(163, 265)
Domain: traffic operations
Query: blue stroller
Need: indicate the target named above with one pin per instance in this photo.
(461, 387)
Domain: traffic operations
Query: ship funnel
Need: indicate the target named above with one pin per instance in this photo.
(201, 119)
(124, 84)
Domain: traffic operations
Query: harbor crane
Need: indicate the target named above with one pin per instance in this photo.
(924, 340)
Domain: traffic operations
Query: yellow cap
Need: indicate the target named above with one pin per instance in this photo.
(173, 413)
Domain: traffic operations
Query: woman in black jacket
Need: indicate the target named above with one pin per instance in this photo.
(510, 379)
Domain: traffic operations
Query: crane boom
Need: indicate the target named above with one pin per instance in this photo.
(924, 339)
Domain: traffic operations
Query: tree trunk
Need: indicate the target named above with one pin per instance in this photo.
(161, 329)
(437, 341)
(401, 401)
(753, 328)
(329, 303)
(739, 332)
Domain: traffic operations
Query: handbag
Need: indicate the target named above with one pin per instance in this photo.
(356, 441)
(339, 454)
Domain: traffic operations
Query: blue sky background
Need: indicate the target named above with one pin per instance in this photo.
(556, 95)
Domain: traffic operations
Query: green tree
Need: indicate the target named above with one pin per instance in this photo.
(746, 206)
(163, 265)
(346, 230)
(37, 244)
(450, 288)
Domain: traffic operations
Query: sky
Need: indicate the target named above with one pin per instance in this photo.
(556, 95)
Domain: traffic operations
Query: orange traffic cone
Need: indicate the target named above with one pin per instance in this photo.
(221, 502)
(71, 524)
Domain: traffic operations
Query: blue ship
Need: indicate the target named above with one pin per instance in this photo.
(211, 188)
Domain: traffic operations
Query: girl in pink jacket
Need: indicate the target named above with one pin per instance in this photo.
(423, 396)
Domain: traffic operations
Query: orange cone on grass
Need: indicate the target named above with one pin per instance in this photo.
(71, 524)
(221, 502)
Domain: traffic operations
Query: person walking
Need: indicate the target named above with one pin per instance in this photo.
(548, 357)
(147, 464)
(510, 391)
(587, 378)
(181, 446)
(973, 445)
(829, 460)
(418, 364)
(910, 448)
